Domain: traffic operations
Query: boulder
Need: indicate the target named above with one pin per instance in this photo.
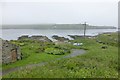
(23, 37)
(40, 38)
(60, 38)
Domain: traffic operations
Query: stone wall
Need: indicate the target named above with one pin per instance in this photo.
(10, 52)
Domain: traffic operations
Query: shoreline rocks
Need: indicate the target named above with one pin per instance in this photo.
(35, 37)
(81, 36)
(58, 38)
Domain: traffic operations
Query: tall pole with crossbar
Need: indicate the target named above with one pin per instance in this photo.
(84, 30)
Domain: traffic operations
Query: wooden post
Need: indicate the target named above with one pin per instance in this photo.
(84, 30)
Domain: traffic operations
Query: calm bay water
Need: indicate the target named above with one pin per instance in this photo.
(13, 34)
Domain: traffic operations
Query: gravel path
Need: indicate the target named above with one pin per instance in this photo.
(75, 52)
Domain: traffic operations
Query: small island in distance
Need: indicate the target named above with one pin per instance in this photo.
(55, 26)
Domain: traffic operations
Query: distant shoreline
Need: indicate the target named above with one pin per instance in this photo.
(56, 26)
(55, 29)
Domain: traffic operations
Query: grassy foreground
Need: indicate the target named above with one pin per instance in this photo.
(95, 63)
(32, 53)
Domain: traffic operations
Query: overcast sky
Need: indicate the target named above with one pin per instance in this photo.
(94, 12)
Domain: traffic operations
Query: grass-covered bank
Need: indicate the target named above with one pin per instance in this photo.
(98, 62)
(34, 52)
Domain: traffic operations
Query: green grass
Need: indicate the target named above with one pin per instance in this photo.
(32, 59)
(32, 54)
(110, 39)
(95, 63)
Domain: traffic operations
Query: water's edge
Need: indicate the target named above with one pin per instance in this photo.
(13, 34)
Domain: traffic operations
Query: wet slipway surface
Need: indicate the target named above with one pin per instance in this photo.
(75, 52)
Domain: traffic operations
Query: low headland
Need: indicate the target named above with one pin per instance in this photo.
(56, 26)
